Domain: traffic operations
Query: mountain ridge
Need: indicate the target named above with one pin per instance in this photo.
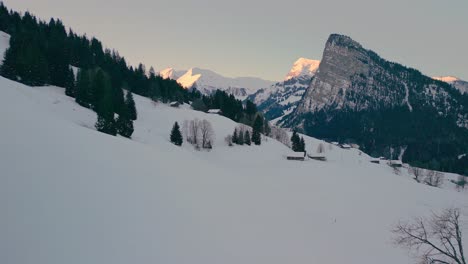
(207, 81)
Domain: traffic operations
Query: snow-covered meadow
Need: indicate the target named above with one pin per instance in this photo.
(69, 194)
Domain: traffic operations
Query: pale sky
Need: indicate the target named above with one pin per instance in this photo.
(262, 38)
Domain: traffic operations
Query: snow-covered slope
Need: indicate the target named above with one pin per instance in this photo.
(461, 85)
(207, 81)
(4, 44)
(69, 194)
(281, 98)
(303, 67)
(170, 73)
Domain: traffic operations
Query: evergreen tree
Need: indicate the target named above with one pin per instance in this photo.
(240, 137)
(82, 88)
(131, 105)
(296, 142)
(257, 130)
(247, 139)
(302, 145)
(258, 124)
(103, 103)
(256, 137)
(235, 137)
(176, 136)
(106, 124)
(70, 88)
(124, 125)
(250, 109)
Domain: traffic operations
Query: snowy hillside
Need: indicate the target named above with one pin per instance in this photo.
(207, 81)
(70, 194)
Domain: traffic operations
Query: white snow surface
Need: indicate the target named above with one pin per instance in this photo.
(4, 44)
(69, 194)
(208, 81)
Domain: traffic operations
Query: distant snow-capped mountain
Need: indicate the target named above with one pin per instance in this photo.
(207, 81)
(282, 97)
(460, 85)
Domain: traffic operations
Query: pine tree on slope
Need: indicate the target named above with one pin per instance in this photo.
(176, 136)
(247, 139)
(131, 105)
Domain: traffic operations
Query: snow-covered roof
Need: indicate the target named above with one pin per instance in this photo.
(296, 154)
(396, 162)
(214, 111)
(345, 146)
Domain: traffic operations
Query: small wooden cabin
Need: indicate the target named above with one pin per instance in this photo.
(215, 111)
(376, 161)
(345, 146)
(320, 158)
(395, 163)
(296, 156)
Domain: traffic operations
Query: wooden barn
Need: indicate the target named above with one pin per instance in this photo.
(296, 156)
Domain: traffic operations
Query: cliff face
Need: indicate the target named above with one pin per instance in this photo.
(353, 78)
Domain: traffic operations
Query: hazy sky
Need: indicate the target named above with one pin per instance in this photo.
(263, 38)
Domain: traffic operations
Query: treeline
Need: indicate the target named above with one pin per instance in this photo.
(429, 140)
(230, 107)
(46, 53)
(43, 52)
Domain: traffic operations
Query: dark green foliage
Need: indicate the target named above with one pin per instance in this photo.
(258, 124)
(247, 139)
(302, 145)
(257, 130)
(106, 124)
(199, 105)
(130, 103)
(124, 125)
(295, 142)
(235, 137)
(240, 137)
(431, 141)
(250, 109)
(176, 136)
(256, 137)
(70, 87)
(83, 86)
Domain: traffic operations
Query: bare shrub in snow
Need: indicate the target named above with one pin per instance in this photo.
(320, 148)
(434, 178)
(460, 182)
(207, 134)
(228, 140)
(199, 133)
(280, 135)
(437, 239)
(417, 172)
